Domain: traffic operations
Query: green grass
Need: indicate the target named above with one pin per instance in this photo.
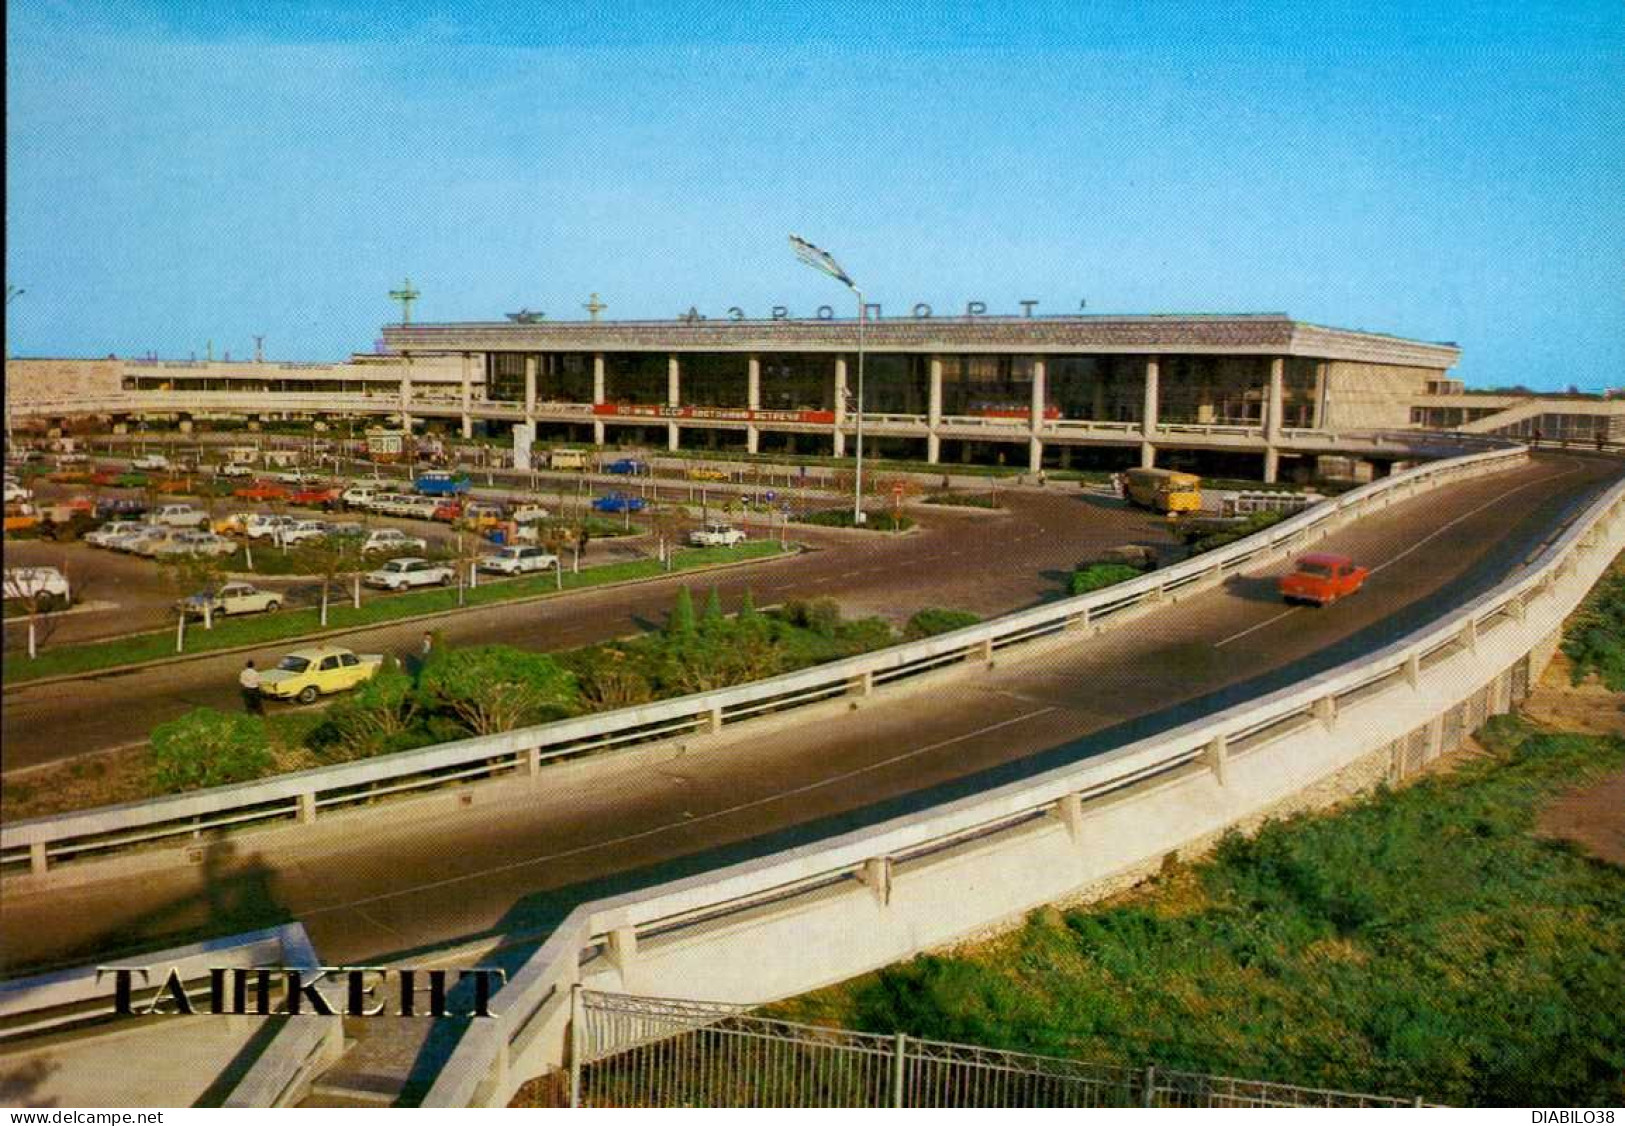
(375, 609)
(1422, 943)
(1596, 635)
(963, 500)
(842, 518)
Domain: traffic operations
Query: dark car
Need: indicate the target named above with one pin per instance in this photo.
(628, 466)
(619, 502)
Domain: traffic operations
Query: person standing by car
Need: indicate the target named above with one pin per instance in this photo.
(249, 681)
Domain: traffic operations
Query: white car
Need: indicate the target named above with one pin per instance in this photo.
(716, 535)
(15, 492)
(151, 461)
(109, 531)
(529, 514)
(301, 530)
(125, 540)
(358, 496)
(393, 539)
(45, 586)
(63, 461)
(518, 560)
(233, 598)
(179, 516)
(236, 469)
(192, 543)
(261, 526)
(403, 574)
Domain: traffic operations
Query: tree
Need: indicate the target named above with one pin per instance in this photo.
(666, 522)
(206, 747)
(334, 558)
(37, 601)
(681, 622)
(492, 688)
(190, 574)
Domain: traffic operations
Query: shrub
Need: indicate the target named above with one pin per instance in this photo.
(821, 615)
(1202, 538)
(842, 518)
(963, 500)
(1596, 635)
(206, 747)
(1097, 576)
(934, 620)
(492, 688)
(378, 717)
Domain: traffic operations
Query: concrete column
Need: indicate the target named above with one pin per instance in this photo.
(933, 403)
(530, 387)
(674, 388)
(1274, 409)
(1148, 411)
(1035, 454)
(406, 391)
(1319, 419)
(468, 395)
(840, 405)
(1040, 387)
(1097, 410)
(598, 396)
(673, 441)
(753, 399)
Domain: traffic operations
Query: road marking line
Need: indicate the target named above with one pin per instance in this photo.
(1253, 629)
(685, 823)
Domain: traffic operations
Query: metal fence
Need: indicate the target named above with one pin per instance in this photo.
(650, 1052)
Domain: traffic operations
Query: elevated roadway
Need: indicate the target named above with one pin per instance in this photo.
(507, 867)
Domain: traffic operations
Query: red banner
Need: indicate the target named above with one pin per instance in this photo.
(711, 414)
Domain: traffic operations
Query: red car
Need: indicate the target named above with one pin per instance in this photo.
(448, 510)
(314, 497)
(262, 490)
(1321, 578)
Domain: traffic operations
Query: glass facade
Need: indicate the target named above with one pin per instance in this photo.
(634, 377)
(505, 377)
(893, 384)
(564, 377)
(1097, 388)
(990, 386)
(800, 381)
(714, 379)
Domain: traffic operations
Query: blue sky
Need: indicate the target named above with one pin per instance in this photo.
(191, 172)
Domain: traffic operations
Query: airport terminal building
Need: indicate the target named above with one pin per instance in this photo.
(1256, 395)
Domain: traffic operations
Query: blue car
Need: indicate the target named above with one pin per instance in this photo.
(628, 466)
(619, 502)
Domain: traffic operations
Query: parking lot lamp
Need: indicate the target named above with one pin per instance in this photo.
(823, 262)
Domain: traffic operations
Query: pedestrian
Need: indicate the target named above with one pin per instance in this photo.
(428, 645)
(249, 681)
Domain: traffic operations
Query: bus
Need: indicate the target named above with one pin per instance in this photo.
(1163, 490)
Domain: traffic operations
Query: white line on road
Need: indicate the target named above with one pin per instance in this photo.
(1259, 626)
(686, 822)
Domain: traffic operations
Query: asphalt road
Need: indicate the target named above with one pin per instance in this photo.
(985, 562)
(512, 869)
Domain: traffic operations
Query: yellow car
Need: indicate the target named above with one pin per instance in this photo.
(319, 670)
(706, 473)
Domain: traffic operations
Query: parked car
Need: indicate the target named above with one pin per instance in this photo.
(1322, 577)
(302, 530)
(628, 466)
(232, 598)
(441, 483)
(108, 508)
(154, 543)
(235, 524)
(447, 511)
(358, 496)
(705, 473)
(529, 514)
(260, 525)
(193, 543)
(403, 574)
(315, 496)
(567, 459)
(15, 492)
(319, 670)
(67, 459)
(619, 502)
(179, 516)
(46, 587)
(518, 560)
(344, 531)
(134, 534)
(262, 490)
(716, 535)
(235, 469)
(150, 462)
(101, 536)
(393, 539)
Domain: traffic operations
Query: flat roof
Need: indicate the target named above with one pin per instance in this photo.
(1273, 334)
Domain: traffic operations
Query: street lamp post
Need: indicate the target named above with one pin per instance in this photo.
(823, 262)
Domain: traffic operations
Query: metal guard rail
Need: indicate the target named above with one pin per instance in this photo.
(541, 988)
(39, 842)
